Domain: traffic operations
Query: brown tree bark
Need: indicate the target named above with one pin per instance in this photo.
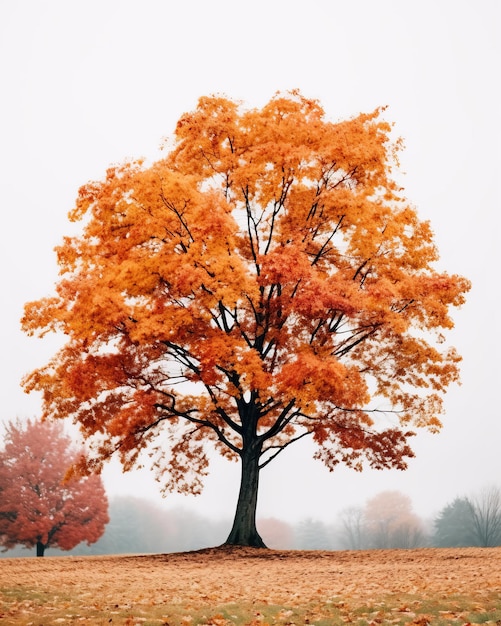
(244, 531)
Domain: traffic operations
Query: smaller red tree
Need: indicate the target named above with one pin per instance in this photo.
(41, 504)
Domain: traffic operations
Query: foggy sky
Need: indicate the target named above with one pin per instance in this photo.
(88, 84)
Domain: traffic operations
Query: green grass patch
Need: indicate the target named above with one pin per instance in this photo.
(27, 607)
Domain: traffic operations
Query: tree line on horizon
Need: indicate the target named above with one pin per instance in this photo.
(387, 521)
(44, 505)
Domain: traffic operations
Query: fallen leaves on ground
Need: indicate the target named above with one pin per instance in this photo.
(227, 587)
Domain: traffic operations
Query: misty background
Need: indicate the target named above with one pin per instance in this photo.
(88, 84)
(385, 521)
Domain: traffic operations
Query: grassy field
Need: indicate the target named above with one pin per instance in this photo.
(251, 588)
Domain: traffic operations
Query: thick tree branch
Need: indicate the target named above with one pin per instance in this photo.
(281, 448)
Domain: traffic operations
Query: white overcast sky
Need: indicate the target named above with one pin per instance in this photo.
(88, 83)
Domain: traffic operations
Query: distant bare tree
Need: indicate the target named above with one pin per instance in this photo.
(352, 531)
(408, 533)
(486, 517)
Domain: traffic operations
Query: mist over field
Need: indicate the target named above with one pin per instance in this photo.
(386, 521)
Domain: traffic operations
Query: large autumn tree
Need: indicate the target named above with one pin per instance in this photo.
(39, 505)
(266, 281)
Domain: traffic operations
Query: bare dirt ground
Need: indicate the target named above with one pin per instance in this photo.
(114, 589)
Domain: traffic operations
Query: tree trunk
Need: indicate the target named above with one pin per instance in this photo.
(244, 531)
(40, 548)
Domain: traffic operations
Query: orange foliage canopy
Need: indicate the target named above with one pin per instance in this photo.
(263, 282)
